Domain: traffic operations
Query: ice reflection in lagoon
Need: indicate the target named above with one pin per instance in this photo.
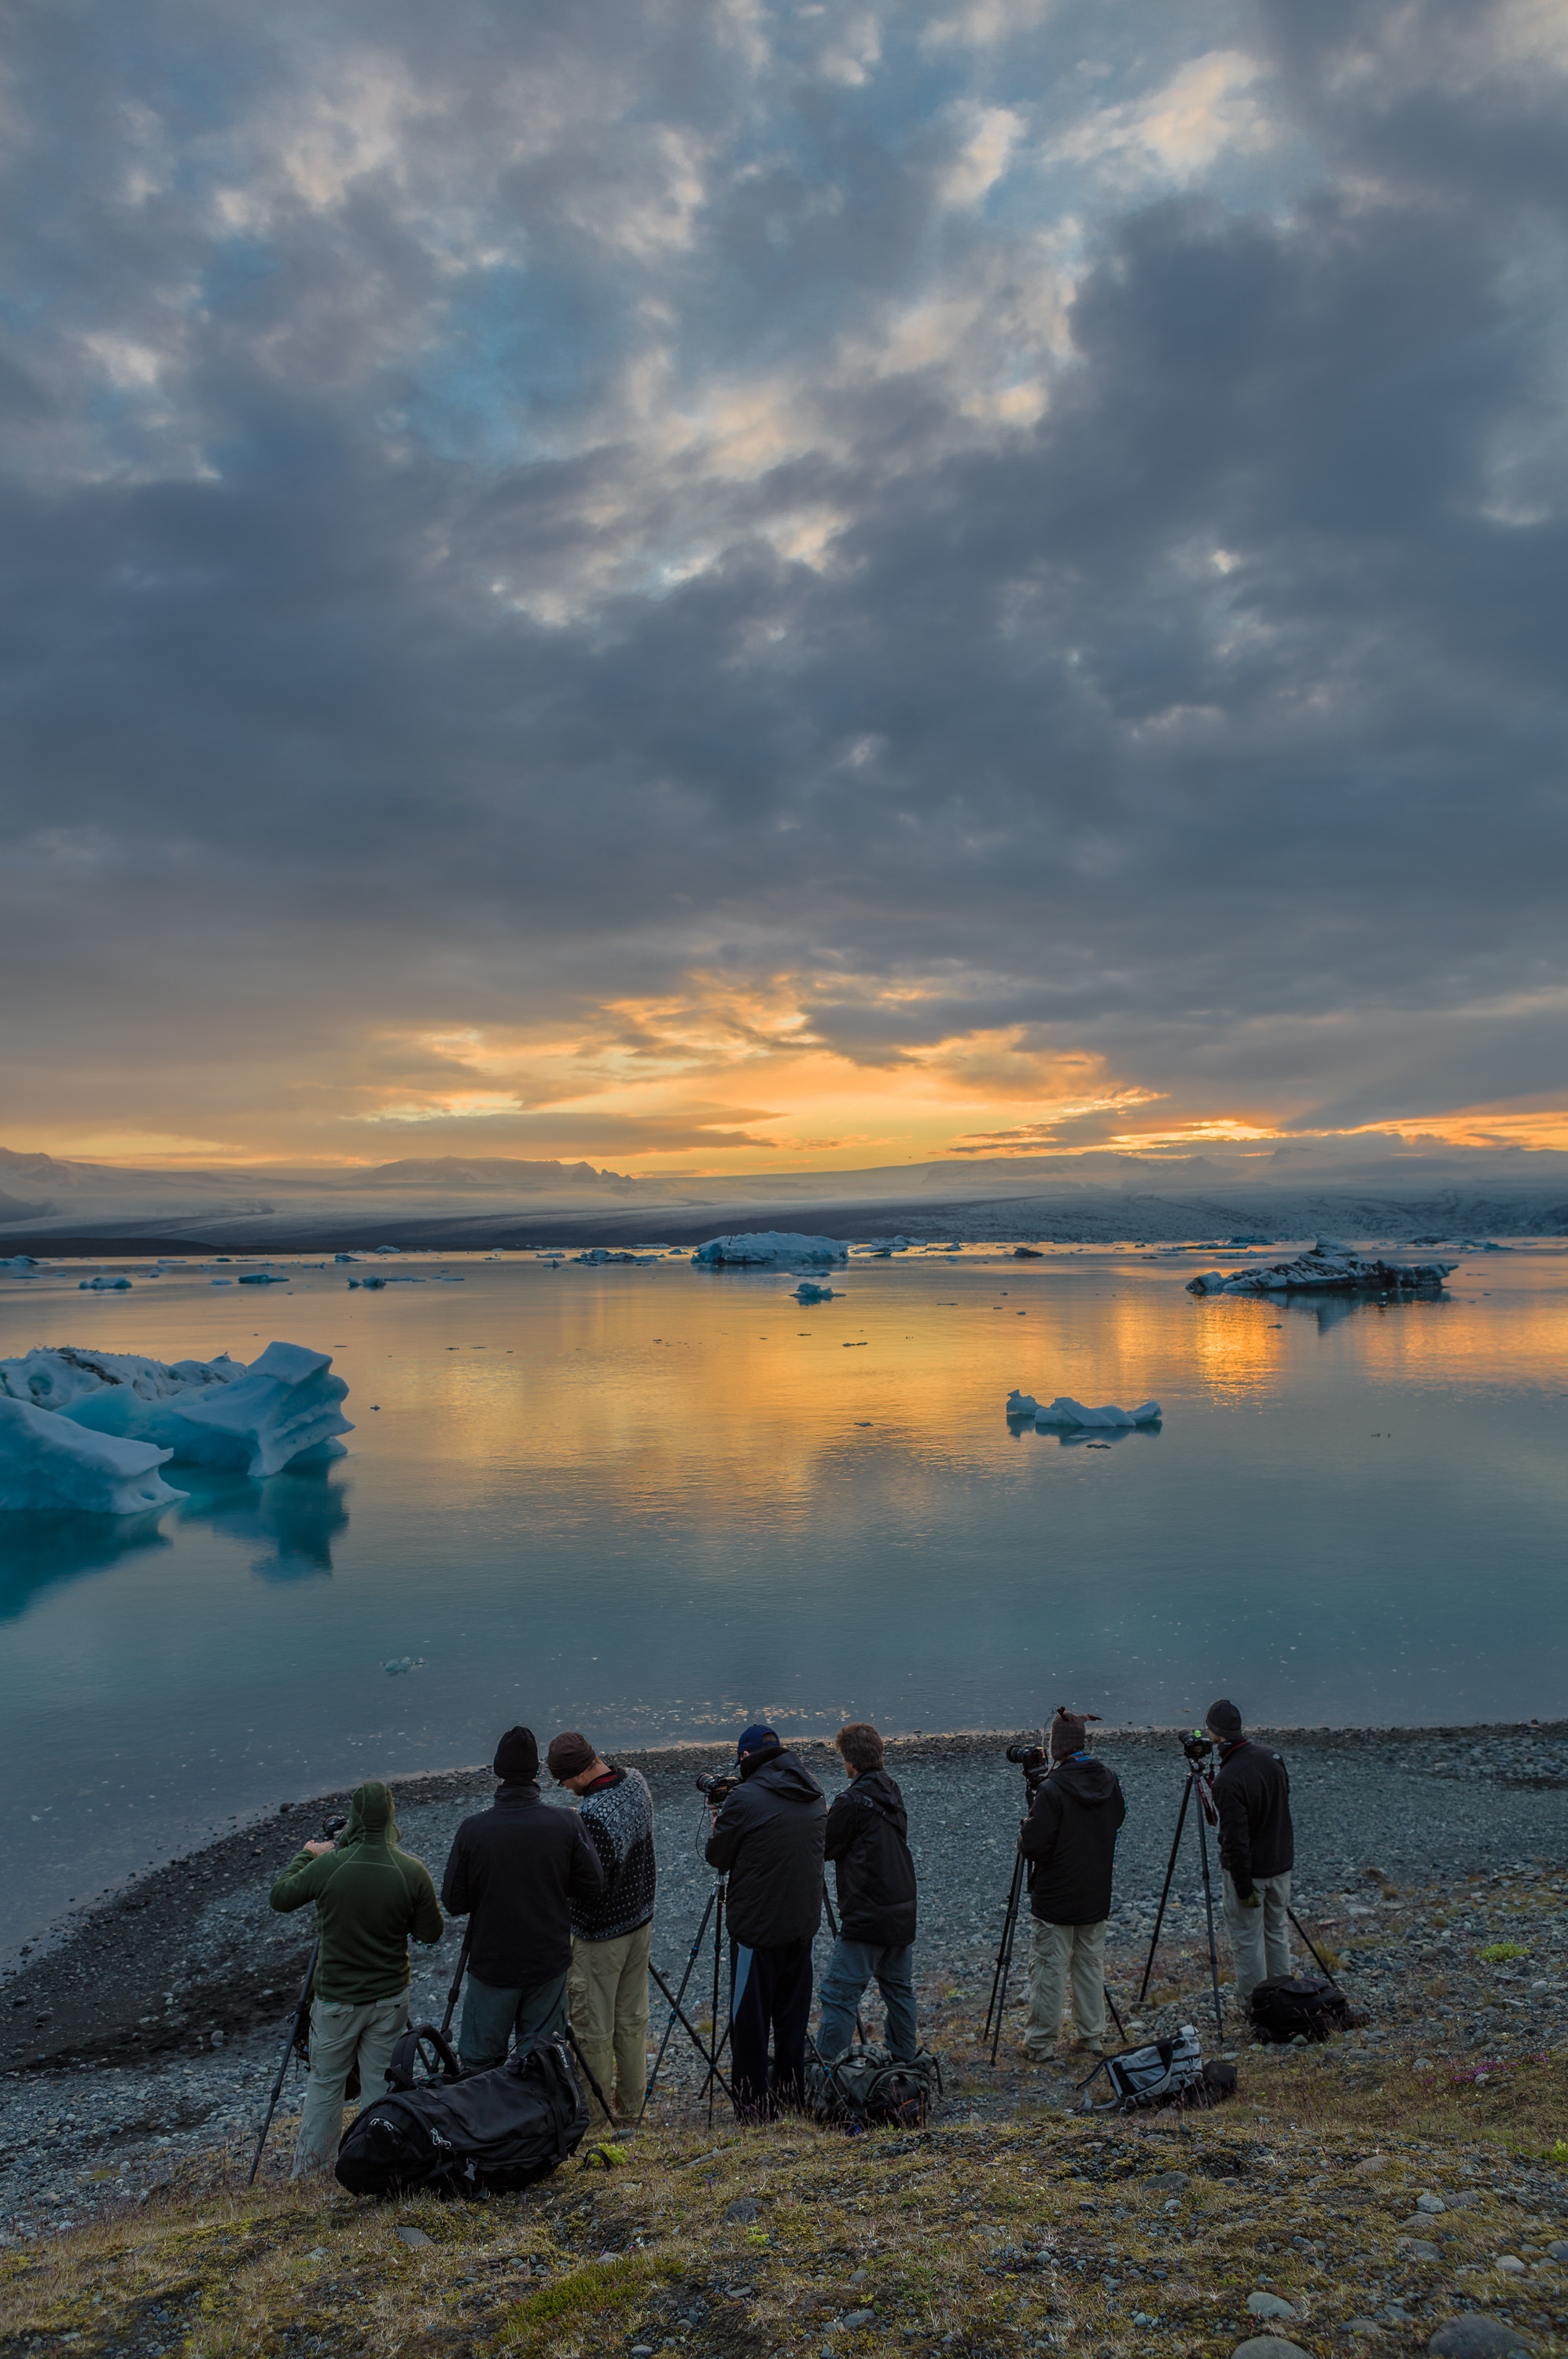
(657, 1502)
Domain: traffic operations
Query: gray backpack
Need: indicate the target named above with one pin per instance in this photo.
(1162, 2073)
(865, 2089)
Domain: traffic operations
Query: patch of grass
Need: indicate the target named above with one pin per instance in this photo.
(1496, 1953)
(583, 2299)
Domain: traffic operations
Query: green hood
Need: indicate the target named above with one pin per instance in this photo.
(370, 1814)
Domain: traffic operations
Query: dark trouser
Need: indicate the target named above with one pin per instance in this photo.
(771, 1991)
(491, 2017)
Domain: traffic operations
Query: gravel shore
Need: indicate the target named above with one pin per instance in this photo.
(149, 2029)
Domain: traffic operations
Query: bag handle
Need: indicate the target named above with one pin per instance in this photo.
(426, 2039)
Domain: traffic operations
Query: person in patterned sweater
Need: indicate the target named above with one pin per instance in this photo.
(607, 1987)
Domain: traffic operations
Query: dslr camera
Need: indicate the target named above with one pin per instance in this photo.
(717, 1791)
(1032, 1759)
(1198, 1747)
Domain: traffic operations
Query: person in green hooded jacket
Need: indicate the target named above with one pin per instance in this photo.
(370, 1895)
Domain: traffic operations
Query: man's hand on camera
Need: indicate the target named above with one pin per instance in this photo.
(316, 1849)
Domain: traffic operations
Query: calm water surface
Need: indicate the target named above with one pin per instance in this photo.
(656, 1503)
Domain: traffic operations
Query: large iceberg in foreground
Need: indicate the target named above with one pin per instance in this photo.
(48, 1465)
(771, 1249)
(1329, 1268)
(1065, 1413)
(283, 1410)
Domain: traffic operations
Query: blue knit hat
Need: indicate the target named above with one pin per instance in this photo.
(752, 1740)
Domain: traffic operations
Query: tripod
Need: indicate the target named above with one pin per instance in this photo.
(995, 2006)
(715, 1909)
(1200, 1781)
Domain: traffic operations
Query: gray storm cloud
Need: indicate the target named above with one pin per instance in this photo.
(1038, 535)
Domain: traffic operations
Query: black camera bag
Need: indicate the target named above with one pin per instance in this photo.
(1294, 2007)
(484, 2132)
(866, 2088)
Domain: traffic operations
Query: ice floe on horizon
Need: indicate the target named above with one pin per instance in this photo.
(771, 1249)
(1329, 1266)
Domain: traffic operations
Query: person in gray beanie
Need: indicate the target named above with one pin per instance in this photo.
(516, 1871)
(1257, 1850)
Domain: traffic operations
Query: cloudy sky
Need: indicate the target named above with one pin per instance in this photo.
(742, 584)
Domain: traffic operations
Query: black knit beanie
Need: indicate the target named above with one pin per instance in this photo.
(517, 1756)
(1224, 1720)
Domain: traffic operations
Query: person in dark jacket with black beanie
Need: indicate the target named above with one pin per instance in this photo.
(1257, 1850)
(868, 1840)
(516, 1870)
(1069, 1840)
(769, 1839)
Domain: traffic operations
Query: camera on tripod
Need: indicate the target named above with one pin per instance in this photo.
(332, 1827)
(1198, 1747)
(1032, 1760)
(715, 1791)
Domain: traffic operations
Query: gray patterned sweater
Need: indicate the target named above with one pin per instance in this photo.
(617, 1818)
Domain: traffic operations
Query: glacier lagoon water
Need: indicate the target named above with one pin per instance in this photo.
(656, 1503)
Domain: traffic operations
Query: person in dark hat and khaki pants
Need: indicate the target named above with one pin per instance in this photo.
(1258, 1849)
(1069, 1840)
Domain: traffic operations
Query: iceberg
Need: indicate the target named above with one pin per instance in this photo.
(770, 1249)
(1063, 1413)
(1329, 1268)
(807, 1293)
(48, 1465)
(597, 1255)
(263, 1278)
(102, 1286)
(283, 1410)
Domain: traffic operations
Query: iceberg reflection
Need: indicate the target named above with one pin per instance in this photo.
(294, 1517)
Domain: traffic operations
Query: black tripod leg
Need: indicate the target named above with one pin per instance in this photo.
(1165, 1889)
(675, 2002)
(1116, 2019)
(457, 1978)
(1209, 1908)
(1008, 1915)
(575, 2045)
(1005, 1957)
(692, 2033)
(1308, 1940)
(718, 1954)
(301, 2018)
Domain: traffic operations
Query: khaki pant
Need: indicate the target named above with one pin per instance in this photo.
(1259, 1938)
(607, 1995)
(1065, 1956)
(342, 2035)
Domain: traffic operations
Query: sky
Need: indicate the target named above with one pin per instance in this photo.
(716, 585)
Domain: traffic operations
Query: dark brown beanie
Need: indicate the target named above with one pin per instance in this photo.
(517, 1757)
(1069, 1732)
(570, 1754)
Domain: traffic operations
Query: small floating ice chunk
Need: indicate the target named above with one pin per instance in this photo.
(343, 1257)
(50, 1465)
(771, 1249)
(20, 1261)
(1063, 1413)
(263, 1278)
(103, 1285)
(808, 1292)
(402, 1663)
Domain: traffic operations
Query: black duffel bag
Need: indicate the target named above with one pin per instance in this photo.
(1292, 2008)
(484, 2132)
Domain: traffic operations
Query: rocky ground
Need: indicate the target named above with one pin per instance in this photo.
(145, 2036)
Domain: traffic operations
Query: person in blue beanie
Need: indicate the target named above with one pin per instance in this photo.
(768, 1841)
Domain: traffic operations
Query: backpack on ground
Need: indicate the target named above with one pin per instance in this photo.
(1294, 2007)
(867, 2087)
(1167, 2071)
(485, 2132)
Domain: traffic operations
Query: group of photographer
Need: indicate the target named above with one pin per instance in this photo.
(559, 1906)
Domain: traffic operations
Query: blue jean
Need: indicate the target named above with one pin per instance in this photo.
(491, 2017)
(852, 1965)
